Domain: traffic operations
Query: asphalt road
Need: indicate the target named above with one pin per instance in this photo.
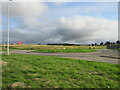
(102, 55)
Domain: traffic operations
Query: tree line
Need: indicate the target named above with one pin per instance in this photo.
(93, 44)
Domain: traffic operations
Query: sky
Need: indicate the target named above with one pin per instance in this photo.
(60, 22)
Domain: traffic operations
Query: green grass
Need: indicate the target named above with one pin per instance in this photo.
(53, 48)
(100, 47)
(3, 50)
(68, 50)
(55, 72)
(65, 50)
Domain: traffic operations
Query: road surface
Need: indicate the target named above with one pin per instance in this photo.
(101, 55)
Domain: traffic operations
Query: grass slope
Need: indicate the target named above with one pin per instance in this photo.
(65, 50)
(3, 50)
(33, 71)
(53, 48)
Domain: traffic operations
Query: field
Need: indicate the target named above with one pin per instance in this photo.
(58, 49)
(69, 50)
(0, 48)
(31, 71)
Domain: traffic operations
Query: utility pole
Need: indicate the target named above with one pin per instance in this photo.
(8, 29)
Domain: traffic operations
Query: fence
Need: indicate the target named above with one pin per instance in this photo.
(113, 46)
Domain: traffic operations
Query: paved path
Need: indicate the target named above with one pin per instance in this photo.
(1, 52)
(102, 55)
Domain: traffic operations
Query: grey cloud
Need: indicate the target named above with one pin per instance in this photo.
(75, 29)
(24, 9)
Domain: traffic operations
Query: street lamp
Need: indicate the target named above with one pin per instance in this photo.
(8, 42)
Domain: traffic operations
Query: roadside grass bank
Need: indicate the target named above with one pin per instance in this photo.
(2, 50)
(28, 47)
(32, 71)
(74, 50)
(59, 49)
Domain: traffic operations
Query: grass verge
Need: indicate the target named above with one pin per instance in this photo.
(60, 49)
(32, 71)
(72, 50)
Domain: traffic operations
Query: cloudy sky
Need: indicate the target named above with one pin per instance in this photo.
(61, 22)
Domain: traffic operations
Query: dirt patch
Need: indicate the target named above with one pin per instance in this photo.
(3, 63)
(36, 79)
(17, 84)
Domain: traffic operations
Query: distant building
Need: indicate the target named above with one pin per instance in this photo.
(113, 46)
(19, 43)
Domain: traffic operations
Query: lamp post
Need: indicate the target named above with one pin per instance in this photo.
(8, 23)
(8, 29)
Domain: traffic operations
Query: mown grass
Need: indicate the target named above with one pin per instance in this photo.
(55, 72)
(65, 50)
(28, 47)
(3, 50)
(60, 49)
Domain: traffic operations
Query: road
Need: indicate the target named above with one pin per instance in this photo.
(101, 55)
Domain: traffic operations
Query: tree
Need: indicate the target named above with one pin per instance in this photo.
(101, 43)
(95, 44)
(92, 44)
(11, 43)
(118, 42)
(113, 43)
(107, 43)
